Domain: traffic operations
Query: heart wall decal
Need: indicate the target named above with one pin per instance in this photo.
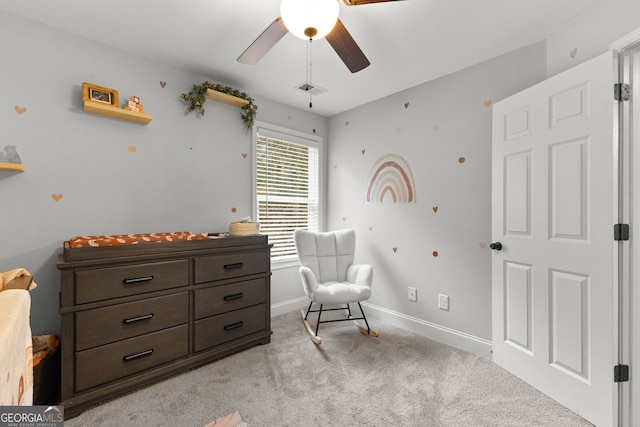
(20, 110)
(56, 197)
(162, 84)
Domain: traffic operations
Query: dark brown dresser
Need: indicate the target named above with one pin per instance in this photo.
(135, 314)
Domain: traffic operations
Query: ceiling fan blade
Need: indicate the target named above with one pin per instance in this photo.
(264, 42)
(347, 48)
(359, 2)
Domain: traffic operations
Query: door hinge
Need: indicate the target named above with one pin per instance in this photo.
(621, 373)
(621, 232)
(621, 92)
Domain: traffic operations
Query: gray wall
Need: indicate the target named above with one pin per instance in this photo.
(432, 126)
(591, 33)
(187, 173)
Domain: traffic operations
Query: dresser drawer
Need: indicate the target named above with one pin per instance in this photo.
(114, 323)
(110, 362)
(225, 327)
(220, 299)
(208, 269)
(105, 283)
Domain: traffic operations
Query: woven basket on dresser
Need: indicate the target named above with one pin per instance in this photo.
(244, 228)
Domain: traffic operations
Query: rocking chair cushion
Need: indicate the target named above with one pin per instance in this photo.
(340, 293)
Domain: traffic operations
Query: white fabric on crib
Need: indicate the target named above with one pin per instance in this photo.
(16, 349)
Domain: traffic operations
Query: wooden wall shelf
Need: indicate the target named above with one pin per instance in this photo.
(214, 95)
(18, 167)
(118, 113)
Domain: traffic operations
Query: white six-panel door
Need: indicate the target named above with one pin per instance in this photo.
(554, 204)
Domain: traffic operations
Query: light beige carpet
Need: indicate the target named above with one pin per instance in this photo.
(398, 379)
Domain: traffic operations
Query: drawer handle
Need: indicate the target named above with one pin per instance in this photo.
(137, 318)
(233, 266)
(233, 326)
(134, 356)
(137, 280)
(233, 297)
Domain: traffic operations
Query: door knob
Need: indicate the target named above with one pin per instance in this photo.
(497, 246)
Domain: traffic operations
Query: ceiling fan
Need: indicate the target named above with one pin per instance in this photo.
(310, 20)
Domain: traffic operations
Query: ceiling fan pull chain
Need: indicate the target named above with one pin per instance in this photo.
(309, 72)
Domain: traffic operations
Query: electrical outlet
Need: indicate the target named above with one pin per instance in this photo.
(413, 294)
(443, 302)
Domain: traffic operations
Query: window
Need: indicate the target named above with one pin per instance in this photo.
(287, 176)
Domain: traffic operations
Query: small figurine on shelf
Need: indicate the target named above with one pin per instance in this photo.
(133, 104)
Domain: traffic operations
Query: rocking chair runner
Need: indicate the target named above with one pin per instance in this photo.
(329, 276)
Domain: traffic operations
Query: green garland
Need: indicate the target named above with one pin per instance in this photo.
(196, 99)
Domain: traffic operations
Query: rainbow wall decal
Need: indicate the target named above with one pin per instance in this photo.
(390, 178)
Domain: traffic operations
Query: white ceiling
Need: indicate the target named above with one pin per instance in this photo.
(407, 42)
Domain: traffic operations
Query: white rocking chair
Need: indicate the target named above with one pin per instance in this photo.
(329, 276)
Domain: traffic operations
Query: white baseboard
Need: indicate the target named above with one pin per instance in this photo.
(289, 306)
(461, 340)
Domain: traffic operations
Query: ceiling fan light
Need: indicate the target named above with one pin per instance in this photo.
(309, 19)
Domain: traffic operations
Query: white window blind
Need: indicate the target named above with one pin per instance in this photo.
(287, 176)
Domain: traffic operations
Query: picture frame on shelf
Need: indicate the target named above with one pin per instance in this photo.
(100, 94)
